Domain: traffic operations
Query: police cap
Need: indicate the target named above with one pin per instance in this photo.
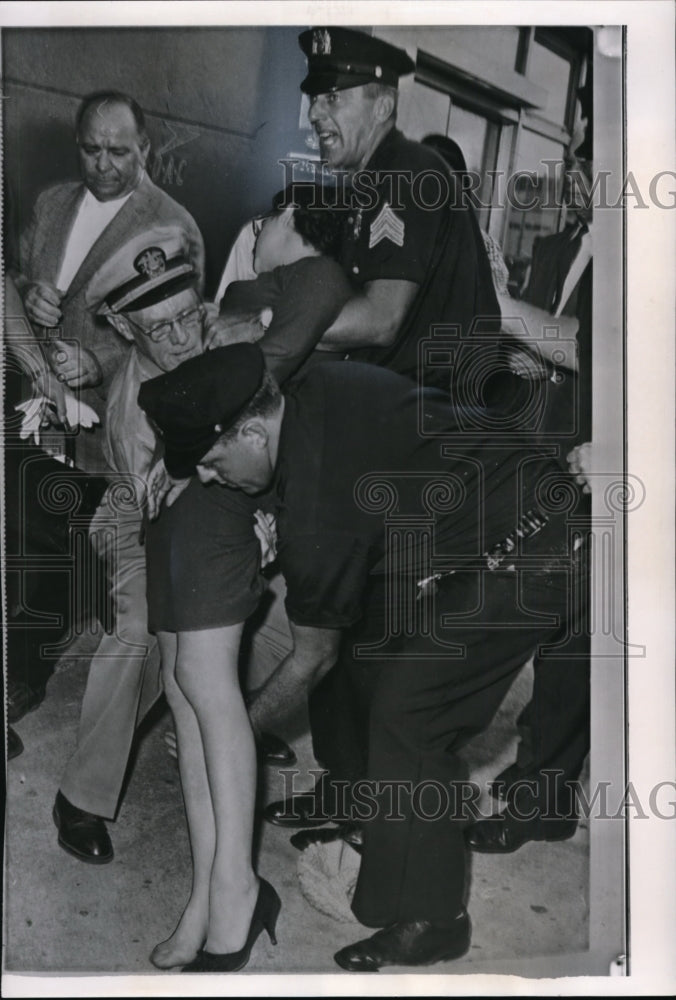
(339, 58)
(199, 400)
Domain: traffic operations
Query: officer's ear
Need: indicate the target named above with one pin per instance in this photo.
(120, 323)
(254, 432)
(384, 107)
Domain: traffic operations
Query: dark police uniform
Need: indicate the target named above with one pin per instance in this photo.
(408, 222)
(445, 566)
(441, 249)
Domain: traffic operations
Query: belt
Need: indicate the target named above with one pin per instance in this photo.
(529, 524)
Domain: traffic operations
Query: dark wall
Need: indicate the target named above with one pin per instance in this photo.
(222, 105)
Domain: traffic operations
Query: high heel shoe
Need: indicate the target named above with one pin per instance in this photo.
(266, 911)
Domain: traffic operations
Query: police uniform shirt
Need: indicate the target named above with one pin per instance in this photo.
(408, 222)
(350, 452)
(390, 234)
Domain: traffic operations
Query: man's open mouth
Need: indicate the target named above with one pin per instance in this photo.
(328, 138)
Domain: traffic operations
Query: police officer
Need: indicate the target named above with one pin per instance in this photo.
(429, 574)
(412, 249)
(415, 254)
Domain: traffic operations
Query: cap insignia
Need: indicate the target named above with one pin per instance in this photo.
(151, 262)
(321, 42)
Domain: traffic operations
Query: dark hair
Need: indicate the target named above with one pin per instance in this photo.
(322, 228)
(265, 401)
(112, 97)
(315, 217)
(449, 149)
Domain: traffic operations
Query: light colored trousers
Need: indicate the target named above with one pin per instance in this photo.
(124, 675)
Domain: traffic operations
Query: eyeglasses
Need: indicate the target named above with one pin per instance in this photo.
(189, 320)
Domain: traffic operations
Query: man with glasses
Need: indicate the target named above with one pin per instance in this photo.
(147, 292)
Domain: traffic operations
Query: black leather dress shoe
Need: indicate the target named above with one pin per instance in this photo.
(14, 744)
(349, 832)
(418, 943)
(82, 834)
(504, 835)
(273, 750)
(22, 699)
(304, 809)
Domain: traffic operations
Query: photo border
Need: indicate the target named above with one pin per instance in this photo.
(648, 309)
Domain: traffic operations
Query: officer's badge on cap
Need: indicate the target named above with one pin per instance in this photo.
(339, 58)
(201, 399)
(150, 268)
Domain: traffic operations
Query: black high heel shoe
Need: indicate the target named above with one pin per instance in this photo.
(266, 911)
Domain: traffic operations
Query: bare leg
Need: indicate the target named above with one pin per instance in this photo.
(206, 671)
(191, 931)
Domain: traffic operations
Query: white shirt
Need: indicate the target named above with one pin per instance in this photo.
(92, 218)
(576, 270)
(239, 265)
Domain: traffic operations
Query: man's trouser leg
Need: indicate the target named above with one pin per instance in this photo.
(425, 707)
(339, 709)
(339, 727)
(124, 677)
(555, 724)
(37, 529)
(555, 730)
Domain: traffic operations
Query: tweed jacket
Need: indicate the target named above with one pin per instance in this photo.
(41, 251)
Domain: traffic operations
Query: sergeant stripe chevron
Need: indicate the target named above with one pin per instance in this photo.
(387, 226)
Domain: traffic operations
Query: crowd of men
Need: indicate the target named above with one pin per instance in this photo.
(419, 536)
